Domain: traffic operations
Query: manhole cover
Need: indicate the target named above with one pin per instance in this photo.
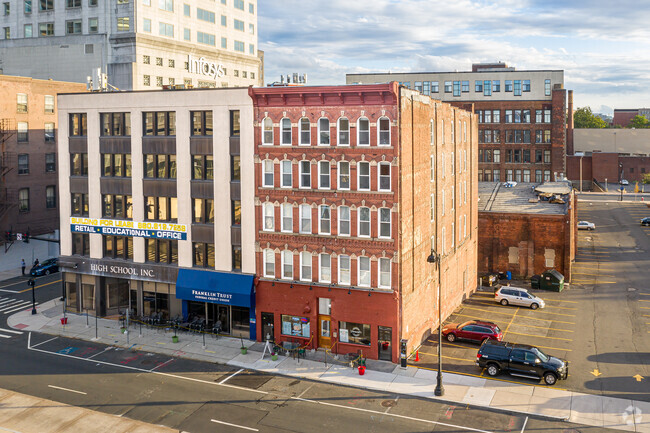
(388, 403)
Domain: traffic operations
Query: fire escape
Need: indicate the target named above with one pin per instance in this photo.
(8, 196)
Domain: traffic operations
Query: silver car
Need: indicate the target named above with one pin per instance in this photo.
(507, 295)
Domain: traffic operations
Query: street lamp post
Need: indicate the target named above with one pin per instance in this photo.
(436, 258)
(32, 283)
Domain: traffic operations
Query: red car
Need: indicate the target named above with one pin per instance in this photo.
(474, 330)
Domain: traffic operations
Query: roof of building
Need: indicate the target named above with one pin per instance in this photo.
(522, 197)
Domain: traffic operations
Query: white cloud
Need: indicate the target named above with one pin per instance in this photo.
(600, 45)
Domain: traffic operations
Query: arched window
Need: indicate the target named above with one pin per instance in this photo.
(267, 136)
(325, 268)
(344, 131)
(363, 132)
(384, 222)
(287, 217)
(268, 217)
(305, 132)
(285, 125)
(267, 173)
(269, 263)
(305, 266)
(344, 269)
(305, 218)
(384, 273)
(383, 131)
(323, 132)
(287, 265)
(363, 276)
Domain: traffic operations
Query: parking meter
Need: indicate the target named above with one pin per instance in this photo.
(402, 353)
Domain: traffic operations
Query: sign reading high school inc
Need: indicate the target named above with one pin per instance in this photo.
(129, 228)
(205, 67)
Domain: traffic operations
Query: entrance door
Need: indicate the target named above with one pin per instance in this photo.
(385, 347)
(324, 334)
(267, 327)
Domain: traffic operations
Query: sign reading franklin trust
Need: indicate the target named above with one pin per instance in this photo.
(204, 67)
(129, 228)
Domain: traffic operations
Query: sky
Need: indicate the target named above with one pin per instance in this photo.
(602, 46)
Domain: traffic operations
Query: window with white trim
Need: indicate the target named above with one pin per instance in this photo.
(453, 163)
(383, 131)
(287, 265)
(442, 131)
(433, 169)
(324, 219)
(364, 271)
(323, 132)
(384, 273)
(305, 132)
(432, 133)
(323, 175)
(453, 139)
(344, 175)
(453, 234)
(383, 172)
(287, 218)
(384, 222)
(364, 221)
(442, 202)
(344, 269)
(442, 165)
(325, 268)
(453, 197)
(268, 217)
(305, 219)
(269, 263)
(305, 266)
(267, 135)
(344, 220)
(344, 131)
(285, 126)
(305, 174)
(464, 192)
(285, 174)
(433, 207)
(363, 132)
(363, 169)
(267, 173)
(442, 241)
(464, 132)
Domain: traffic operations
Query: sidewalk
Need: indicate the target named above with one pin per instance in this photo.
(587, 409)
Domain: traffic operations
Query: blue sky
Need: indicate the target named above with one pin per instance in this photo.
(603, 46)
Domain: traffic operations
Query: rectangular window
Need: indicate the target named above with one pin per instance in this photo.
(324, 220)
(363, 126)
(323, 132)
(323, 175)
(74, 27)
(202, 212)
(78, 164)
(201, 123)
(81, 244)
(161, 123)
(28, 31)
(187, 34)
(487, 88)
(478, 86)
(364, 271)
(268, 217)
(525, 87)
(547, 87)
(456, 88)
(508, 86)
(23, 164)
(117, 206)
(384, 222)
(162, 251)
(73, 3)
(547, 157)
(50, 162)
(364, 221)
(354, 333)
(305, 219)
(203, 255)
(205, 38)
(186, 10)
(496, 85)
(384, 273)
(465, 87)
(48, 129)
(344, 220)
(46, 29)
(239, 25)
(160, 166)
(435, 87)
(21, 103)
(285, 174)
(23, 200)
(517, 88)
(305, 174)
(344, 175)
(547, 116)
(305, 266)
(287, 265)
(344, 269)
(267, 173)
(22, 133)
(27, 6)
(235, 212)
(165, 29)
(384, 176)
(124, 25)
(364, 176)
(238, 4)
(325, 268)
(239, 46)
(115, 124)
(448, 86)
(166, 5)
(287, 218)
(426, 88)
(305, 132)
(344, 132)
(294, 325)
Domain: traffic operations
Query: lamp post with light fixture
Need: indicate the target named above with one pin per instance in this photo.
(437, 258)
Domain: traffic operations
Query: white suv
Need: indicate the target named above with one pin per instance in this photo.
(507, 295)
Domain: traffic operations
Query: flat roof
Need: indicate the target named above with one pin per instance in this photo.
(495, 197)
(504, 70)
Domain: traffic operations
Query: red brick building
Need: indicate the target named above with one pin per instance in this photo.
(28, 159)
(355, 185)
(523, 235)
(606, 168)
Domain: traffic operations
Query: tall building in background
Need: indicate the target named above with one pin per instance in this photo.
(355, 186)
(28, 153)
(521, 114)
(139, 44)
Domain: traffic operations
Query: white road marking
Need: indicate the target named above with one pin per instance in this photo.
(11, 301)
(10, 331)
(5, 336)
(524, 426)
(234, 425)
(9, 291)
(164, 363)
(43, 342)
(22, 307)
(7, 301)
(66, 389)
(98, 353)
(231, 376)
(13, 305)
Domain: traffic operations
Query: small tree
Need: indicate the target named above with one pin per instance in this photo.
(584, 118)
(646, 178)
(639, 122)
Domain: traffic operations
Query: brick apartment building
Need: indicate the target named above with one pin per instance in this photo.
(623, 116)
(28, 161)
(521, 114)
(525, 235)
(355, 185)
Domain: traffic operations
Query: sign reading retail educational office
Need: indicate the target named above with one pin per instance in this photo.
(129, 228)
(204, 67)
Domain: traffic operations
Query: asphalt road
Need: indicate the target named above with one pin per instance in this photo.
(206, 397)
(601, 324)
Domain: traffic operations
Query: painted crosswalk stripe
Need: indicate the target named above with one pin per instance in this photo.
(5, 308)
(10, 331)
(22, 307)
(8, 301)
(5, 336)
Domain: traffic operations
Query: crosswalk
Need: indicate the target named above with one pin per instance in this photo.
(10, 305)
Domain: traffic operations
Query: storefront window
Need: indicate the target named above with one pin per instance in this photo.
(71, 295)
(88, 300)
(117, 293)
(295, 326)
(240, 321)
(356, 333)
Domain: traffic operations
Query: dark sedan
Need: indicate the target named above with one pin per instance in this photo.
(46, 268)
(474, 330)
(645, 221)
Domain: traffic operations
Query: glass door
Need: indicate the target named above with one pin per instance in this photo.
(385, 347)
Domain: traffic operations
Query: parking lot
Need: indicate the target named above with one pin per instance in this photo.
(600, 323)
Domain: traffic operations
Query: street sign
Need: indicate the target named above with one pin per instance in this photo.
(19, 236)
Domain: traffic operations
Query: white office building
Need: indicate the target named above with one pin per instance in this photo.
(139, 44)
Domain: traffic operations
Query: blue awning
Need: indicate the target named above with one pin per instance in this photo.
(215, 287)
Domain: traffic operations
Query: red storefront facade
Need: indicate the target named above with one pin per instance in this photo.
(333, 239)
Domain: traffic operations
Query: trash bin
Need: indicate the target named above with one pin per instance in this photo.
(64, 320)
(550, 280)
(508, 275)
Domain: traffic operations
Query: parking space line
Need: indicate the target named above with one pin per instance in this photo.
(541, 336)
(594, 281)
(486, 311)
(553, 348)
(558, 314)
(596, 275)
(496, 304)
(644, 300)
(527, 317)
(448, 357)
(515, 324)
(513, 318)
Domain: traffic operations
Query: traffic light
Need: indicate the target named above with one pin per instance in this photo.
(26, 238)
(8, 236)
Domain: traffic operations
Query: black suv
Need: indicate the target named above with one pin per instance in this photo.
(521, 360)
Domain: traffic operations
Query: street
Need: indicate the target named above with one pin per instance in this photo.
(601, 323)
(196, 396)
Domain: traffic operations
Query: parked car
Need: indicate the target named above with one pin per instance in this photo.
(507, 295)
(645, 221)
(474, 330)
(521, 360)
(586, 225)
(46, 268)
(624, 182)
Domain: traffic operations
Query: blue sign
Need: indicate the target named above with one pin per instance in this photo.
(215, 287)
(131, 232)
